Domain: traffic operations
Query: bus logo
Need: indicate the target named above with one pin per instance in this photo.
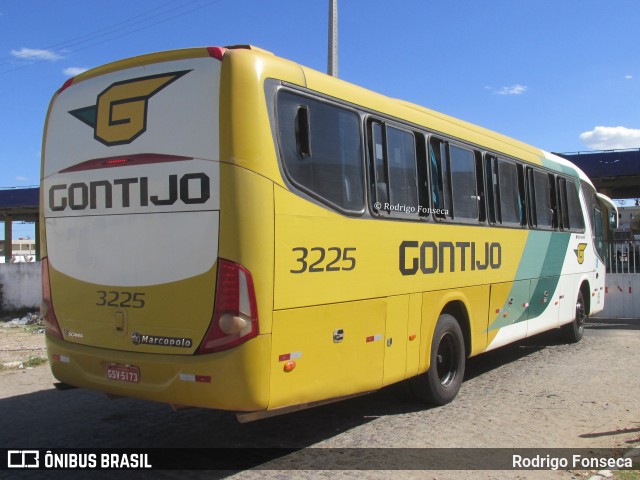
(580, 252)
(120, 113)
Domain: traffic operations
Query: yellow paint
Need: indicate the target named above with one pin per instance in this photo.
(164, 313)
(396, 339)
(239, 377)
(325, 367)
(247, 219)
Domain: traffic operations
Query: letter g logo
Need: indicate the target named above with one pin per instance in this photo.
(120, 113)
(580, 252)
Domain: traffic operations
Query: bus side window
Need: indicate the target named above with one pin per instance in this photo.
(456, 181)
(576, 218)
(394, 170)
(510, 211)
(599, 232)
(569, 209)
(464, 185)
(553, 199)
(482, 207)
(563, 212)
(320, 146)
(493, 195)
(379, 168)
(522, 196)
(542, 214)
(403, 175)
(439, 185)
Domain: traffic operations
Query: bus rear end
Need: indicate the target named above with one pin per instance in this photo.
(138, 298)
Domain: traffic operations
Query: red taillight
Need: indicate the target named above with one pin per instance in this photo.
(216, 52)
(66, 85)
(46, 309)
(235, 316)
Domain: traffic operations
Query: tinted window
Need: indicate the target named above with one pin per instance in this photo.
(456, 181)
(510, 211)
(542, 214)
(394, 170)
(401, 151)
(441, 198)
(598, 231)
(463, 183)
(576, 219)
(321, 150)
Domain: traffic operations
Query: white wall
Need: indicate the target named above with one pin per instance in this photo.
(21, 285)
(622, 296)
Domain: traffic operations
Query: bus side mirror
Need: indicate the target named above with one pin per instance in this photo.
(613, 219)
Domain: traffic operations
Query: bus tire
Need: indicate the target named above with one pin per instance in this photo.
(440, 384)
(574, 331)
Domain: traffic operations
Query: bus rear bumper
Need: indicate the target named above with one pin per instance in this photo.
(230, 380)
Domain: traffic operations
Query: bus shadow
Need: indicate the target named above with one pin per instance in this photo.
(596, 323)
(510, 353)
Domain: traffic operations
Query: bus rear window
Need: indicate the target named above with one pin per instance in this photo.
(321, 150)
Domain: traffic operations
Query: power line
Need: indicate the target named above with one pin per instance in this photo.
(124, 26)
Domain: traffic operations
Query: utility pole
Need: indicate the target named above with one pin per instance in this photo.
(332, 63)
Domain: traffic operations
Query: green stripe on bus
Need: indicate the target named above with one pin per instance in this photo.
(541, 263)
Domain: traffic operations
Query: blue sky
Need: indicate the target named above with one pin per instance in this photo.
(563, 75)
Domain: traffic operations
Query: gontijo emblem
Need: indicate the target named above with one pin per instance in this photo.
(120, 113)
(580, 252)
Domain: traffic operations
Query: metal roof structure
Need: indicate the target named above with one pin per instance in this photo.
(20, 204)
(615, 173)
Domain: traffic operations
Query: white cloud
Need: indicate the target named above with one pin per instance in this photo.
(516, 89)
(610, 138)
(628, 77)
(21, 179)
(73, 71)
(36, 54)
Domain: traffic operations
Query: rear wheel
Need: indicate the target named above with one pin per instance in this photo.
(574, 331)
(441, 383)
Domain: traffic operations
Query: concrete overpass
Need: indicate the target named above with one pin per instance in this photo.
(615, 173)
(18, 205)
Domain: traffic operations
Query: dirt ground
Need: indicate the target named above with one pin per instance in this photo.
(539, 393)
(19, 344)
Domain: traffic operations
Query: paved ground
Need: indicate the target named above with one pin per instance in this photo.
(538, 393)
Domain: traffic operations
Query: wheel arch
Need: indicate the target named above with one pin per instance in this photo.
(586, 295)
(458, 310)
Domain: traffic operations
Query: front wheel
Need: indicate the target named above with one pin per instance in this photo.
(574, 331)
(440, 384)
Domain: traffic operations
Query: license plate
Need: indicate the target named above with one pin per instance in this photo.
(123, 373)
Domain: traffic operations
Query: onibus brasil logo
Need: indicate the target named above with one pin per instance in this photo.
(120, 113)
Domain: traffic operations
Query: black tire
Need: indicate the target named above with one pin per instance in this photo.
(440, 384)
(574, 331)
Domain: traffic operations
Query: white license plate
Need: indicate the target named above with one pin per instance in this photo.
(123, 373)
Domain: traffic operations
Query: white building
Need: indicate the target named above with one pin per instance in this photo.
(23, 250)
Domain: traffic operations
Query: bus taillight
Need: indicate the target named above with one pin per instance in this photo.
(216, 52)
(46, 308)
(235, 316)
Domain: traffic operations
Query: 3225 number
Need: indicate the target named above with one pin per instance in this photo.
(112, 298)
(318, 259)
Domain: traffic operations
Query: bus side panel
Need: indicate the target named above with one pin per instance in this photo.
(413, 330)
(396, 339)
(544, 306)
(475, 301)
(247, 231)
(338, 350)
(508, 312)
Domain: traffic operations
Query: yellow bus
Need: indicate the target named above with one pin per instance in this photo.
(224, 228)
